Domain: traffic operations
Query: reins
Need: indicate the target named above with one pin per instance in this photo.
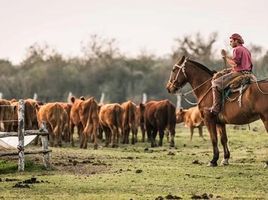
(257, 83)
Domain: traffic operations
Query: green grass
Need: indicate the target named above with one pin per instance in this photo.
(131, 172)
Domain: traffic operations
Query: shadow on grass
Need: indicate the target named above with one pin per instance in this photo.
(7, 167)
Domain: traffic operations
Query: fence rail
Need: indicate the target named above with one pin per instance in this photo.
(27, 132)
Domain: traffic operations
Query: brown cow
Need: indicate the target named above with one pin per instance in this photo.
(75, 118)
(6, 115)
(55, 118)
(84, 115)
(129, 122)
(110, 116)
(31, 112)
(159, 115)
(30, 115)
(192, 119)
(89, 117)
(140, 121)
(67, 107)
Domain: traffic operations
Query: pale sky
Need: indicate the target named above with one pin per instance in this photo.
(137, 25)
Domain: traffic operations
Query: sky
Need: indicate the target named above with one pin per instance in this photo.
(137, 25)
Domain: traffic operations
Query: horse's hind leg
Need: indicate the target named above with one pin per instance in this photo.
(191, 133)
(221, 129)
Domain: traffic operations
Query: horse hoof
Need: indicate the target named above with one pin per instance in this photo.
(225, 162)
(210, 164)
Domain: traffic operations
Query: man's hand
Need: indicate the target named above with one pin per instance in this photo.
(223, 53)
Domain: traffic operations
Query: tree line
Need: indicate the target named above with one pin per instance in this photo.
(104, 69)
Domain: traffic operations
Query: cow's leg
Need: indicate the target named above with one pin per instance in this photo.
(81, 139)
(72, 133)
(153, 136)
(127, 130)
(100, 133)
(221, 129)
(95, 131)
(116, 136)
(172, 134)
(52, 139)
(200, 130)
(211, 126)
(113, 135)
(161, 136)
(123, 136)
(149, 133)
(142, 132)
(167, 133)
(80, 129)
(86, 135)
(191, 132)
(134, 134)
(107, 136)
(58, 133)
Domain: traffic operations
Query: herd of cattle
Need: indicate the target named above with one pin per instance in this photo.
(92, 120)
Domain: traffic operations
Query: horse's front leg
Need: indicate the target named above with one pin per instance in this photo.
(211, 126)
(221, 129)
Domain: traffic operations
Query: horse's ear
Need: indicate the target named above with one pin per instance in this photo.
(82, 98)
(181, 60)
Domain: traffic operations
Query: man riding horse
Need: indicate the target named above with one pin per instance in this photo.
(252, 103)
(240, 63)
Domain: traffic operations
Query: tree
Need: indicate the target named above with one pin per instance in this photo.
(196, 47)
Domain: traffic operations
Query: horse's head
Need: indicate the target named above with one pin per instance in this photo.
(178, 77)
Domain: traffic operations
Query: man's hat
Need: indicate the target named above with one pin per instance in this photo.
(238, 37)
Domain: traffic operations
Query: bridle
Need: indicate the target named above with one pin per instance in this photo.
(181, 68)
(173, 82)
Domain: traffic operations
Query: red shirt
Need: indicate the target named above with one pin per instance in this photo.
(242, 58)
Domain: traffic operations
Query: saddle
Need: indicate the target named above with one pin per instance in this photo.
(239, 84)
(244, 80)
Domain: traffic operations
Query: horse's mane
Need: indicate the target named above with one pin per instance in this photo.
(202, 67)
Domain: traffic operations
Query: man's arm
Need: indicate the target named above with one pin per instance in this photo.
(231, 62)
(228, 59)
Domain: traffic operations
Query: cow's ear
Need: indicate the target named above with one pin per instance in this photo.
(142, 106)
(82, 98)
(99, 107)
(72, 99)
(40, 103)
(37, 107)
(15, 108)
(181, 109)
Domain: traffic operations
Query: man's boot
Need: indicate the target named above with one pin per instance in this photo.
(216, 106)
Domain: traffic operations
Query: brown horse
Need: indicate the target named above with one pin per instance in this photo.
(254, 103)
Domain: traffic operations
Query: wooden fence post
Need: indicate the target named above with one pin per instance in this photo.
(21, 135)
(44, 139)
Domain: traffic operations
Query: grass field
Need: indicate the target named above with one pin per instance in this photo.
(141, 172)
